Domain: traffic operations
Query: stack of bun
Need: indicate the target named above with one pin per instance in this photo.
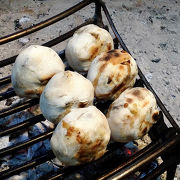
(66, 97)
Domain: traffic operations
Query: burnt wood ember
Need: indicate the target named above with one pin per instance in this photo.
(121, 161)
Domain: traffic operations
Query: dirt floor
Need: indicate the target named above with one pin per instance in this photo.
(150, 29)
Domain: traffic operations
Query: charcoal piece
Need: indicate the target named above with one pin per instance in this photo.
(17, 25)
(156, 60)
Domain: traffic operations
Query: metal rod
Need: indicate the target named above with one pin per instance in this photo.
(7, 61)
(22, 125)
(162, 168)
(67, 35)
(171, 170)
(122, 172)
(7, 94)
(159, 102)
(97, 15)
(18, 107)
(20, 145)
(5, 80)
(45, 23)
(103, 165)
(65, 170)
(25, 166)
(51, 43)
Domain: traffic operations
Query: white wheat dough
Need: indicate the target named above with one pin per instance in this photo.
(82, 136)
(132, 114)
(33, 68)
(64, 92)
(86, 43)
(111, 73)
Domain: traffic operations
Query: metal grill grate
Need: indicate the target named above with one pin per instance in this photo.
(114, 164)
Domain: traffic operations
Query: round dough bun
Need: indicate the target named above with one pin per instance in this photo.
(33, 68)
(82, 136)
(86, 43)
(111, 73)
(64, 92)
(132, 114)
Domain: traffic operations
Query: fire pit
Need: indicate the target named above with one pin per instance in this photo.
(29, 152)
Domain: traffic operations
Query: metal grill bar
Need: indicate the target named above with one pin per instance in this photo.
(7, 94)
(29, 164)
(122, 172)
(131, 165)
(22, 125)
(25, 144)
(18, 107)
(162, 168)
(51, 43)
(5, 80)
(106, 162)
(45, 23)
(141, 75)
(95, 168)
(7, 61)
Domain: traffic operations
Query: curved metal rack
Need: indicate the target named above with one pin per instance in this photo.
(164, 139)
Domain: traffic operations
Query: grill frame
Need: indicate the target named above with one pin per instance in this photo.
(164, 139)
